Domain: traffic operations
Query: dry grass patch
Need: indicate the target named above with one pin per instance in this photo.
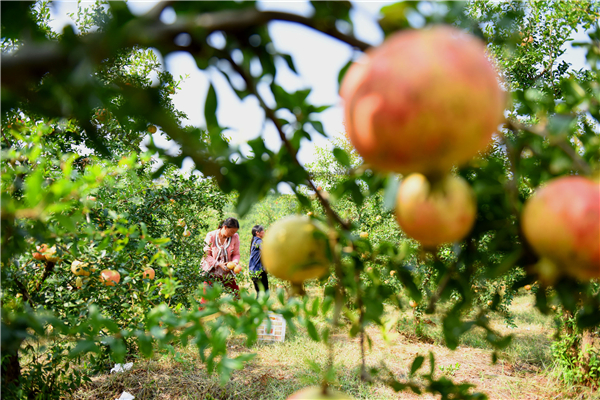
(279, 369)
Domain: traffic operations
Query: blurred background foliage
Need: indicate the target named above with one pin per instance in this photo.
(76, 105)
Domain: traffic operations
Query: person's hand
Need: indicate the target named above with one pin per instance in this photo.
(223, 266)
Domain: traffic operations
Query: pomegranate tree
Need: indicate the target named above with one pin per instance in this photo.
(561, 222)
(435, 213)
(423, 101)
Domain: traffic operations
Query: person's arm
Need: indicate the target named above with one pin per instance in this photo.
(208, 261)
(259, 251)
(235, 244)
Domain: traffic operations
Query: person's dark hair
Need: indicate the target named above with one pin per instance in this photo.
(255, 229)
(229, 223)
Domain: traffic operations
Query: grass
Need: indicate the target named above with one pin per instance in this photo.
(279, 369)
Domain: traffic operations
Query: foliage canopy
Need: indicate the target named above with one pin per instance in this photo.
(76, 105)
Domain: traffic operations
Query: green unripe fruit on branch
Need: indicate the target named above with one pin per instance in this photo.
(79, 268)
(293, 249)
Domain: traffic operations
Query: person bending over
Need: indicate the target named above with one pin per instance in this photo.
(222, 246)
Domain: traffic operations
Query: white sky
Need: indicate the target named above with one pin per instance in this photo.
(318, 59)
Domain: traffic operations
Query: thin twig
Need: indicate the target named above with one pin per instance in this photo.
(512, 185)
(363, 368)
(48, 268)
(5, 139)
(288, 145)
(441, 287)
(23, 290)
(338, 302)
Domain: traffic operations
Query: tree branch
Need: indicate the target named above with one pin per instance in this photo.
(157, 10)
(293, 152)
(512, 185)
(23, 290)
(441, 287)
(35, 60)
(48, 268)
(579, 162)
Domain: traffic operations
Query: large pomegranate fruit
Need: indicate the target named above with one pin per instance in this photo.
(292, 250)
(561, 222)
(423, 101)
(435, 213)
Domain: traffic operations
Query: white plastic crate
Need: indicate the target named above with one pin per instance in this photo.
(277, 331)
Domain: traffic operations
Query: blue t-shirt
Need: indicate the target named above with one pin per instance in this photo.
(255, 264)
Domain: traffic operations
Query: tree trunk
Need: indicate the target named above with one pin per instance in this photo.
(11, 369)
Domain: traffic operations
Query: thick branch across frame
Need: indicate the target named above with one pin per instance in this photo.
(34, 60)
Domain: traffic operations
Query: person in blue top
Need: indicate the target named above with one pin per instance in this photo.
(257, 271)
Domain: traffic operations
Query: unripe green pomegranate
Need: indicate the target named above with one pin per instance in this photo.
(423, 101)
(293, 251)
(561, 222)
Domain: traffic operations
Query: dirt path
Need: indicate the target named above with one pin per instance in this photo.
(503, 380)
(282, 368)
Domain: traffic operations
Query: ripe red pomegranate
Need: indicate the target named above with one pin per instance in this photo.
(148, 273)
(561, 222)
(423, 101)
(435, 213)
(110, 277)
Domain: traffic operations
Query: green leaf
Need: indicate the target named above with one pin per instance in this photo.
(66, 221)
(290, 62)
(397, 386)
(232, 363)
(312, 330)
(502, 343)
(342, 157)
(318, 125)
(305, 201)
(33, 187)
(431, 363)
(210, 108)
(343, 71)
(407, 280)
(560, 124)
(417, 363)
(83, 347)
(145, 345)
